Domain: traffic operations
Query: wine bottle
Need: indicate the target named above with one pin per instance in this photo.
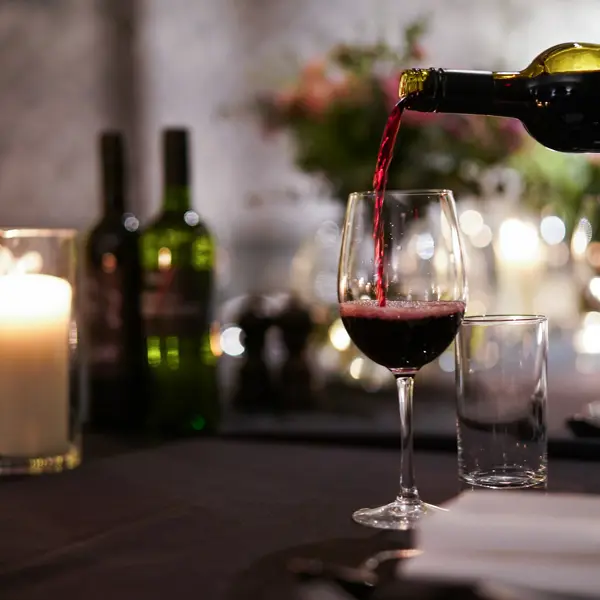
(178, 255)
(112, 283)
(557, 97)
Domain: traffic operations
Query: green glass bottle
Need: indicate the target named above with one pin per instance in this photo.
(556, 97)
(178, 255)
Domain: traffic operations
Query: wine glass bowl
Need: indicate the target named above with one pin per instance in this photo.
(402, 292)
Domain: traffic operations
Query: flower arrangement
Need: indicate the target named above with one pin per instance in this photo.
(337, 107)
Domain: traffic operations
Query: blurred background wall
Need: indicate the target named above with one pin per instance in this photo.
(69, 68)
(65, 73)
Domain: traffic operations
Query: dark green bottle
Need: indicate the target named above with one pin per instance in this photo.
(178, 254)
(113, 326)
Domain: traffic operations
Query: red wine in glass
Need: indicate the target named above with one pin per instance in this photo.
(404, 335)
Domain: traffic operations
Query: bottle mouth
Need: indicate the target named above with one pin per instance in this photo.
(417, 89)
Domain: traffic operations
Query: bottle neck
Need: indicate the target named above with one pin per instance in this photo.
(466, 92)
(113, 205)
(113, 175)
(176, 172)
(113, 193)
(176, 199)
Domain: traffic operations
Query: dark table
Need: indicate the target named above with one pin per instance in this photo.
(207, 519)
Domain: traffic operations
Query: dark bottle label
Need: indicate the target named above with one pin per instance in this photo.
(104, 315)
(175, 301)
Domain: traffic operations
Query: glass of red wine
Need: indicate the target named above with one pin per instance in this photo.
(402, 293)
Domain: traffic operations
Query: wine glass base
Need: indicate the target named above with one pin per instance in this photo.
(396, 515)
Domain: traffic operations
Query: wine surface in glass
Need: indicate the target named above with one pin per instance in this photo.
(402, 335)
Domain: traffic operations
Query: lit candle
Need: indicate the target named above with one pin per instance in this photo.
(34, 365)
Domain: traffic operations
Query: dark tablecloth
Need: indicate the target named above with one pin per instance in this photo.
(206, 519)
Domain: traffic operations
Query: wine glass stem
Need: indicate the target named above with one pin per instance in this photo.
(408, 493)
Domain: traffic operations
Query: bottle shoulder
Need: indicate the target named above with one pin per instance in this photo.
(565, 58)
(172, 240)
(175, 222)
(116, 229)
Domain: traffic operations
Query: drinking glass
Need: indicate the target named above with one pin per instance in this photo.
(40, 426)
(501, 401)
(402, 293)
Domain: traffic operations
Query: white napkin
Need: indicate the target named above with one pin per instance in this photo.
(529, 539)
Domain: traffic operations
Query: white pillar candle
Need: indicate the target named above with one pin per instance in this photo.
(35, 313)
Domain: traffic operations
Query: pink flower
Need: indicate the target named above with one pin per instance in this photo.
(286, 97)
(317, 97)
(344, 89)
(314, 70)
(315, 90)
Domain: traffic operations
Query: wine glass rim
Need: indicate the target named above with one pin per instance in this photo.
(37, 232)
(415, 192)
(504, 319)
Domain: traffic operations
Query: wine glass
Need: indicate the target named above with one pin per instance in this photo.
(402, 293)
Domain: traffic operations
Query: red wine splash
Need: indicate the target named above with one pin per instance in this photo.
(384, 158)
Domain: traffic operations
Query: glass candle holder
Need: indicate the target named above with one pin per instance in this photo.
(40, 429)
